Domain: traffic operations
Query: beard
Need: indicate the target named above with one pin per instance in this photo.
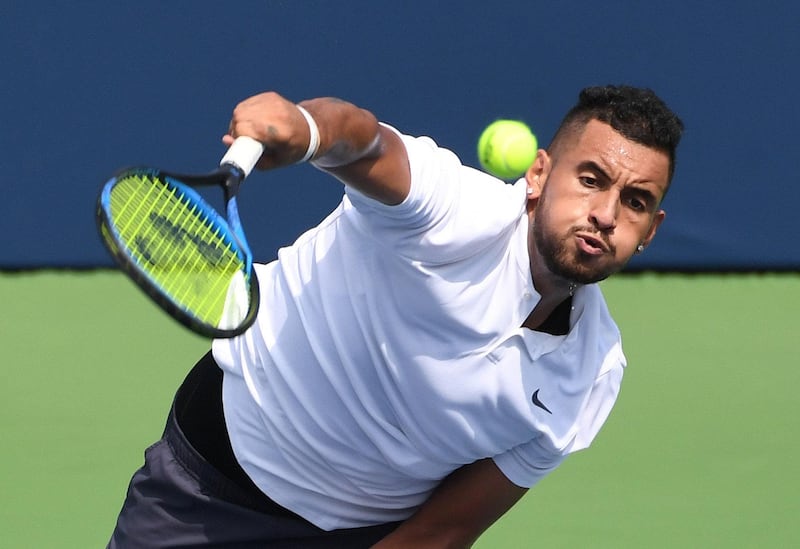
(566, 261)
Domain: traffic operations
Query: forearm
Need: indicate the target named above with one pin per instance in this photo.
(459, 511)
(359, 151)
(347, 133)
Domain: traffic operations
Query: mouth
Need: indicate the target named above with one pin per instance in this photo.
(591, 245)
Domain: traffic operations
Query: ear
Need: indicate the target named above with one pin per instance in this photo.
(658, 219)
(537, 173)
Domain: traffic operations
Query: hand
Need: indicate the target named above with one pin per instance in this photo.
(274, 121)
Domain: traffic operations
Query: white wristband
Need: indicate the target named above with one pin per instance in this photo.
(313, 143)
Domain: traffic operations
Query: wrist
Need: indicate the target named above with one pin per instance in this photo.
(314, 138)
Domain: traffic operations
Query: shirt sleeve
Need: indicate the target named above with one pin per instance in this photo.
(452, 210)
(526, 464)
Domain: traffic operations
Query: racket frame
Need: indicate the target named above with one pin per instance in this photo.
(229, 177)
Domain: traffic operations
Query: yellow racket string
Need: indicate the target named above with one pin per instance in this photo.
(175, 244)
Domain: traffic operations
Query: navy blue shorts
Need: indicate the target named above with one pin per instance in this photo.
(194, 494)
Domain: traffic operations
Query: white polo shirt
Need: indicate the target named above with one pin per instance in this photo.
(388, 352)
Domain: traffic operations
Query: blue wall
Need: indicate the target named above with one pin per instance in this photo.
(88, 87)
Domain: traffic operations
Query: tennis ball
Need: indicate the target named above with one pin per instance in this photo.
(507, 148)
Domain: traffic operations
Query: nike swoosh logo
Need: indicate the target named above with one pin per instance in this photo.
(539, 403)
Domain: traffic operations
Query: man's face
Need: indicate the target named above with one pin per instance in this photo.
(597, 200)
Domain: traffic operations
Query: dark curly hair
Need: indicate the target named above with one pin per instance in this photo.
(636, 113)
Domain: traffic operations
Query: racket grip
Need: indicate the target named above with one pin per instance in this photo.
(243, 153)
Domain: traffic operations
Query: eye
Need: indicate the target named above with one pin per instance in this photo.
(637, 204)
(638, 201)
(588, 181)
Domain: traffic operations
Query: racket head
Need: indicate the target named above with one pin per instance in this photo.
(188, 258)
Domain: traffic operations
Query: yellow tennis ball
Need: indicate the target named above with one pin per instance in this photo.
(507, 148)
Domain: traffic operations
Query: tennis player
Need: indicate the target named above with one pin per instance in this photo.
(427, 353)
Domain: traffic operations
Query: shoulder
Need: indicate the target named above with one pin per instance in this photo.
(452, 209)
(439, 176)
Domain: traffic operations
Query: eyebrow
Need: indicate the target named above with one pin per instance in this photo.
(593, 166)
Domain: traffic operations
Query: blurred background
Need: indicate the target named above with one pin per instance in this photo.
(91, 86)
(700, 451)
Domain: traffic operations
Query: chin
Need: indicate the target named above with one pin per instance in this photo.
(565, 260)
(578, 271)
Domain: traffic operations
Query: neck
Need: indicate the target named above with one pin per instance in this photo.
(553, 290)
(551, 287)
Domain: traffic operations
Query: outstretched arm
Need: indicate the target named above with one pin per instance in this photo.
(466, 503)
(353, 146)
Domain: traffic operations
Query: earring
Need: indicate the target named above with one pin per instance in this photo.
(640, 248)
(530, 191)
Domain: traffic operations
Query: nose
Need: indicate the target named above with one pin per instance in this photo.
(603, 212)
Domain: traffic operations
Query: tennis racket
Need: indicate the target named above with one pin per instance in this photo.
(188, 258)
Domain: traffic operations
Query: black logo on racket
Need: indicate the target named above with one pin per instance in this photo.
(210, 250)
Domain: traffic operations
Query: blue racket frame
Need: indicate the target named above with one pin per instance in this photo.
(229, 177)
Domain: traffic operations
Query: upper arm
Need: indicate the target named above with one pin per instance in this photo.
(466, 503)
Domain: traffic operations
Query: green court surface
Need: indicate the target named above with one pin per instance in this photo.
(701, 450)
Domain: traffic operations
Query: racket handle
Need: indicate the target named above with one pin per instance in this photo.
(243, 153)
